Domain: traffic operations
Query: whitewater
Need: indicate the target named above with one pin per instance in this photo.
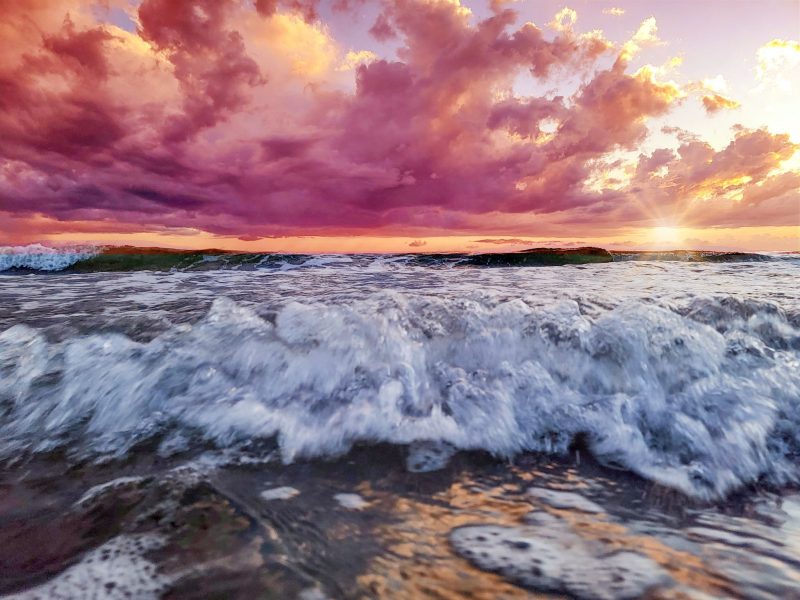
(686, 374)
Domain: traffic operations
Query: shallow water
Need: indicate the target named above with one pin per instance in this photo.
(220, 408)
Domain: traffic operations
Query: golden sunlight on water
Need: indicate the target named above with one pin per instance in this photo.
(420, 562)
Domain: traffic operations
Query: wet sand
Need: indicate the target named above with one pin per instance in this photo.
(364, 526)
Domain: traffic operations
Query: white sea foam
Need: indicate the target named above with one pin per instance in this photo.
(426, 456)
(547, 555)
(116, 570)
(279, 493)
(317, 261)
(564, 500)
(115, 484)
(698, 393)
(351, 501)
(42, 258)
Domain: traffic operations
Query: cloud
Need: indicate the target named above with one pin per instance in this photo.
(775, 59)
(418, 243)
(614, 12)
(251, 120)
(209, 59)
(646, 35)
(505, 241)
(714, 94)
(355, 58)
(717, 102)
(564, 19)
(307, 8)
(743, 183)
(304, 49)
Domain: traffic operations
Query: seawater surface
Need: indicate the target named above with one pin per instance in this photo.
(388, 426)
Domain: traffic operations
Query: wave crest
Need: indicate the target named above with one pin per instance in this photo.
(36, 257)
(668, 393)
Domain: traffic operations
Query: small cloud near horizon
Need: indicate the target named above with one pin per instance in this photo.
(520, 241)
(505, 241)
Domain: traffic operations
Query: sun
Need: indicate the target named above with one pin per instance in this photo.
(666, 236)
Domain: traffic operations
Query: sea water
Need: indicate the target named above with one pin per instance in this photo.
(674, 377)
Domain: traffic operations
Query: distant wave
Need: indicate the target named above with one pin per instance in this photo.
(692, 256)
(36, 257)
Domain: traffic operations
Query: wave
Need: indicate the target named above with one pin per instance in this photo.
(693, 256)
(700, 396)
(542, 257)
(38, 258)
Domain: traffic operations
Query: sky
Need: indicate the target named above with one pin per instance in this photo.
(401, 125)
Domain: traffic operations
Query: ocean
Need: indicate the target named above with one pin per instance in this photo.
(551, 423)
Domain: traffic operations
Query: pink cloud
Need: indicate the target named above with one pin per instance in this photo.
(200, 119)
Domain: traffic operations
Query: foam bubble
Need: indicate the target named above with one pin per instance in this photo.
(312, 593)
(426, 456)
(549, 556)
(279, 493)
(351, 501)
(115, 570)
(564, 500)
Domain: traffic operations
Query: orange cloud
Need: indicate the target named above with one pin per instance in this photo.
(744, 183)
(646, 35)
(717, 102)
(714, 94)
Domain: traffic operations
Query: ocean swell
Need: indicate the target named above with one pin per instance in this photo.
(110, 259)
(701, 396)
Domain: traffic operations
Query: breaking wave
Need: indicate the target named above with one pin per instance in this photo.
(36, 257)
(700, 395)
